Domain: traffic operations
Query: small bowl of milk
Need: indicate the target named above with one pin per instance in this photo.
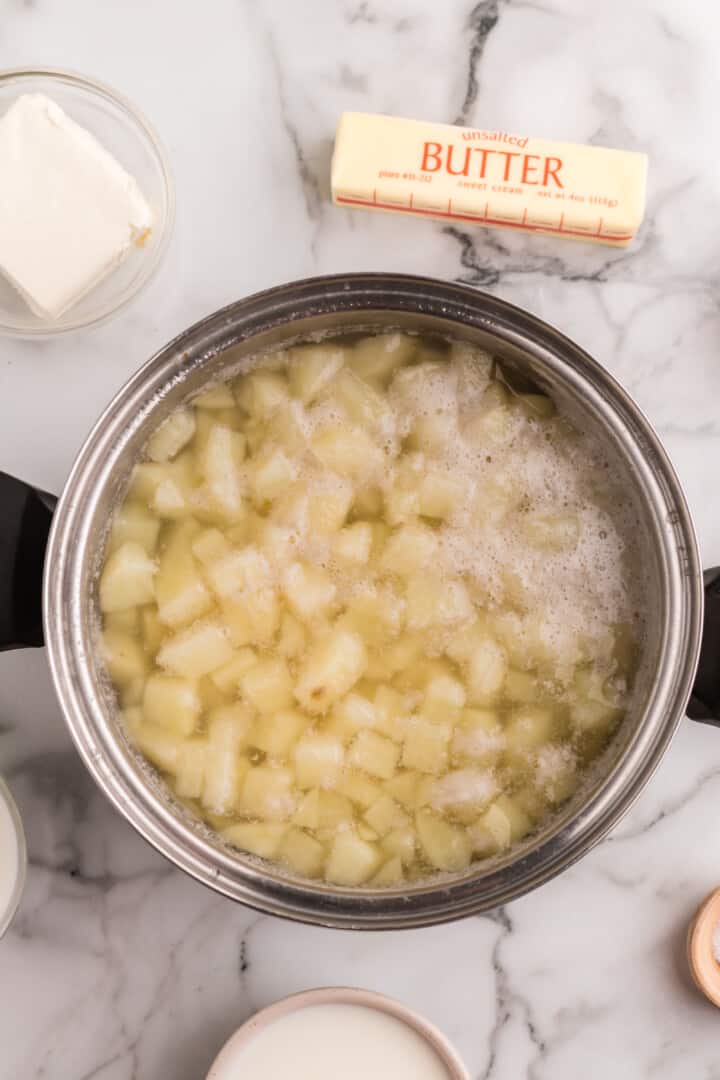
(337, 1032)
(13, 858)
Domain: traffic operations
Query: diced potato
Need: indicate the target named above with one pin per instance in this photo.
(392, 712)
(153, 631)
(270, 474)
(309, 590)
(307, 815)
(463, 793)
(293, 637)
(347, 451)
(478, 737)
(491, 833)
(190, 768)
(445, 846)
(401, 505)
(556, 773)
(520, 823)
(215, 397)
(227, 678)
(403, 786)
(352, 860)
(276, 734)
(210, 546)
(268, 686)
(441, 494)
(401, 843)
(404, 652)
(230, 725)
(127, 579)
(353, 543)
(368, 502)
(361, 402)
(530, 728)
(210, 695)
(172, 435)
(181, 593)
(359, 788)
(492, 421)
(390, 873)
(594, 716)
(486, 670)
(332, 667)
(267, 793)
(197, 651)
(263, 611)
(134, 522)
(312, 367)
(302, 853)
(436, 603)
(318, 760)
(328, 506)
(262, 839)
(334, 810)
(123, 656)
(409, 549)
(171, 703)
(385, 815)
(352, 714)
(376, 613)
(426, 745)
(374, 753)
(552, 532)
(379, 356)
(261, 392)
(222, 469)
(444, 698)
(158, 745)
(243, 570)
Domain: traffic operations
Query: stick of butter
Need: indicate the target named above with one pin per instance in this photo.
(488, 178)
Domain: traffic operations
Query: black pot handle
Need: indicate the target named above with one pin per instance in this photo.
(25, 517)
(704, 705)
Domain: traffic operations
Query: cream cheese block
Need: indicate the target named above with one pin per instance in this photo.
(69, 212)
(490, 178)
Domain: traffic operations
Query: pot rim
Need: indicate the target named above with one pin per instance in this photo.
(260, 886)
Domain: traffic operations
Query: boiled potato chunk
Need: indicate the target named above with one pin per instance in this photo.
(445, 846)
(530, 728)
(259, 839)
(353, 543)
(262, 392)
(385, 815)
(318, 760)
(159, 746)
(347, 451)
(268, 686)
(486, 670)
(426, 745)
(409, 549)
(302, 853)
(352, 860)
(390, 873)
(190, 768)
(478, 737)
(171, 703)
(331, 669)
(267, 793)
(135, 522)
(224, 453)
(175, 433)
(277, 734)
(311, 368)
(401, 842)
(123, 655)
(375, 754)
(377, 358)
(200, 649)
(309, 590)
(181, 594)
(127, 579)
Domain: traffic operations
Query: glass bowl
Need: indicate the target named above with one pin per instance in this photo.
(127, 135)
(10, 820)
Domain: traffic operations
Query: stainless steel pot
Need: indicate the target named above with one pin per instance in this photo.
(674, 587)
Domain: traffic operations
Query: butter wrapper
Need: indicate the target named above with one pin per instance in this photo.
(490, 178)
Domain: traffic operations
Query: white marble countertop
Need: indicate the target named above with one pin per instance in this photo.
(120, 967)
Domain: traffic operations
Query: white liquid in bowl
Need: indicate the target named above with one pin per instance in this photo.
(11, 859)
(326, 1042)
